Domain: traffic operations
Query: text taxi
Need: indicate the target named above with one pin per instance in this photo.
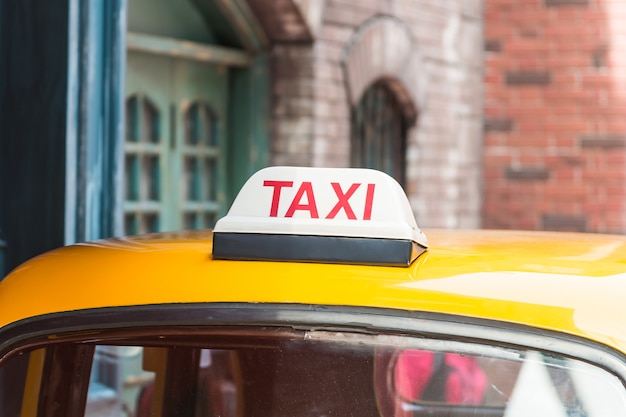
(318, 296)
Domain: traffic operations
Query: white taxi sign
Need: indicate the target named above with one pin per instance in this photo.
(346, 209)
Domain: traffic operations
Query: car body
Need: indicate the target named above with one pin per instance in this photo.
(517, 322)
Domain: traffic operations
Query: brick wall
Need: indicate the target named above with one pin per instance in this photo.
(311, 111)
(555, 115)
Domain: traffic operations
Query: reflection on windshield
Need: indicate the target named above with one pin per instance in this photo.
(451, 378)
(302, 374)
(536, 384)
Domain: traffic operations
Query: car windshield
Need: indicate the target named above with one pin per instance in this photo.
(285, 373)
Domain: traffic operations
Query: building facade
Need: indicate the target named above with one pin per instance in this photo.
(125, 117)
(132, 116)
(140, 116)
(420, 59)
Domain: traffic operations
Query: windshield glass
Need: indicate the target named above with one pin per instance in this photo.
(281, 373)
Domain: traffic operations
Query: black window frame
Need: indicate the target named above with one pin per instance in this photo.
(379, 132)
(134, 323)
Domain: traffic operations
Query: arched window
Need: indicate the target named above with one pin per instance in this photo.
(143, 166)
(379, 132)
(171, 175)
(200, 167)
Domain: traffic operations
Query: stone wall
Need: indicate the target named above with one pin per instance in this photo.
(433, 50)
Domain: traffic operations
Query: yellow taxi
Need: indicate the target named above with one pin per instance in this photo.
(318, 296)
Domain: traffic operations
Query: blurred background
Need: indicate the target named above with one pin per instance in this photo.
(134, 116)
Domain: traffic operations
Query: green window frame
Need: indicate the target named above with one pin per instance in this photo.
(201, 150)
(149, 159)
(143, 166)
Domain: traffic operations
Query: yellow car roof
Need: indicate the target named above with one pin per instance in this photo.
(573, 283)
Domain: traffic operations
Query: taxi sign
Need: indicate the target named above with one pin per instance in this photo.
(343, 215)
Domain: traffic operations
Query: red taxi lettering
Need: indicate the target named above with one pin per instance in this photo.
(305, 192)
(369, 202)
(278, 185)
(343, 201)
(310, 206)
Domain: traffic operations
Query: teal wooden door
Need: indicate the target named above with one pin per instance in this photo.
(176, 113)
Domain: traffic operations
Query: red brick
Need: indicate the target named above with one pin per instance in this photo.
(524, 46)
(530, 159)
(528, 94)
(524, 110)
(565, 110)
(618, 158)
(600, 174)
(498, 30)
(566, 191)
(562, 95)
(566, 79)
(524, 141)
(493, 77)
(532, 62)
(531, 125)
(571, 15)
(565, 174)
(497, 63)
(568, 61)
(566, 31)
(530, 14)
(591, 80)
